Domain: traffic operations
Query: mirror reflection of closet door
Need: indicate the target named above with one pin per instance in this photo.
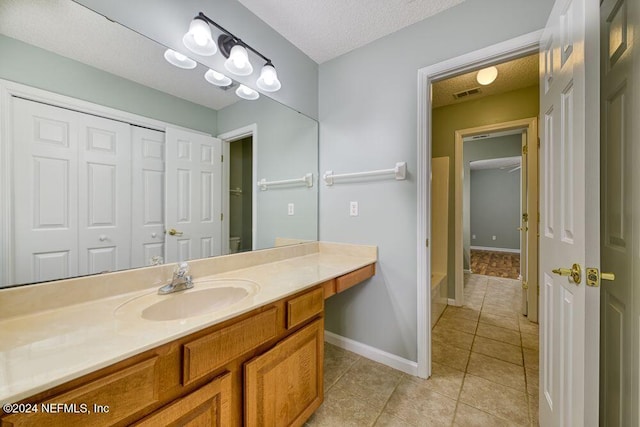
(194, 195)
(147, 217)
(72, 192)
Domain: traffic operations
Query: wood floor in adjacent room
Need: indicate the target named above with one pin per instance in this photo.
(498, 264)
(485, 371)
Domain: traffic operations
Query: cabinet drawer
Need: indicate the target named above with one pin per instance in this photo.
(123, 393)
(213, 351)
(207, 406)
(355, 277)
(304, 307)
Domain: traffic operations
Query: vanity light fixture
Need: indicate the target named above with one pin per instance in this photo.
(179, 60)
(486, 76)
(199, 40)
(218, 79)
(247, 93)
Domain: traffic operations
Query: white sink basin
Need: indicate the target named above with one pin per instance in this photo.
(204, 298)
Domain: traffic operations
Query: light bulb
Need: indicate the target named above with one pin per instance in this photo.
(198, 38)
(238, 61)
(217, 78)
(247, 93)
(179, 60)
(268, 80)
(486, 76)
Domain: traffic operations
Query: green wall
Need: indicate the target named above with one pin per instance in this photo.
(32, 66)
(514, 105)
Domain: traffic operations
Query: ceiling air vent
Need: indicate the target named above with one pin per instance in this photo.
(466, 93)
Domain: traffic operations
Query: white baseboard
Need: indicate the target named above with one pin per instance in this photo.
(468, 271)
(452, 301)
(407, 366)
(487, 248)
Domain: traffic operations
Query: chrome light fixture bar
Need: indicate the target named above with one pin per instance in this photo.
(199, 40)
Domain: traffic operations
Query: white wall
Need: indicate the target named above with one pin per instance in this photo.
(367, 112)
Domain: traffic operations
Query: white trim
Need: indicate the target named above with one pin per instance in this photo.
(483, 57)
(452, 301)
(487, 248)
(396, 362)
(9, 89)
(466, 270)
(228, 137)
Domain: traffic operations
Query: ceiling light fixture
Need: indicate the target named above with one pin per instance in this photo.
(245, 92)
(218, 79)
(486, 76)
(199, 40)
(179, 60)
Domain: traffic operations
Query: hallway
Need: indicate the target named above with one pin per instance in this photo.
(485, 371)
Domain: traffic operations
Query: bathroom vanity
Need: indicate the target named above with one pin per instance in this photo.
(107, 360)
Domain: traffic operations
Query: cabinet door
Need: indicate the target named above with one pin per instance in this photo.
(210, 405)
(284, 385)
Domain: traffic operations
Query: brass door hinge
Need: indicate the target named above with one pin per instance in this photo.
(221, 217)
(525, 149)
(525, 217)
(525, 285)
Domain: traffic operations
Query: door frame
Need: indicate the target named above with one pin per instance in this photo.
(531, 126)
(509, 49)
(227, 138)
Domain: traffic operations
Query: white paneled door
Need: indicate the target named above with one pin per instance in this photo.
(569, 215)
(620, 109)
(194, 195)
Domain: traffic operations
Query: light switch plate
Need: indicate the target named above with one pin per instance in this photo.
(353, 208)
(290, 209)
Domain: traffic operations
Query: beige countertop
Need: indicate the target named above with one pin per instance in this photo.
(51, 344)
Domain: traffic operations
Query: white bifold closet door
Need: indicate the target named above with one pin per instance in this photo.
(194, 195)
(72, 193)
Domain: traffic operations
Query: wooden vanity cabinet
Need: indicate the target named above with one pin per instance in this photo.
(260, 368)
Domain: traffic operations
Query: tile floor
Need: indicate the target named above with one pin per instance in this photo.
(499, 264)
(485, 371)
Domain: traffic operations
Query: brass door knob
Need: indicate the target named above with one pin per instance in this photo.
(174, 232)
(575, 272)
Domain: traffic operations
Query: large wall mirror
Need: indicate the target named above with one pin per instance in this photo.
(111, 158)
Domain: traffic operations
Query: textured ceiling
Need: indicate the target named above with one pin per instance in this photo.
(73, 31)
(325, 29)
(512, 75)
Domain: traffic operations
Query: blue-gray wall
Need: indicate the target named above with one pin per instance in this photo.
(32, 66)
(491, 148)
(166, 21)
(495, 208)
(367, 112)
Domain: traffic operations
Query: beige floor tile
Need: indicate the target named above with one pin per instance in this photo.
(499, 350)
(499, 334)
(443, 380)
(452, 337)
(498, 400)
(336, 362)
(415, 403)
(450, 356)
(534, 409)
(370, 381)
(341, 408)
(500, 321)
(532, 381)
(498, 371)
(500, 310)
(461, 313)
(530, 358)
(527, 327)
(388, 420)
(467, 416)
(530, 341)
(463, 325)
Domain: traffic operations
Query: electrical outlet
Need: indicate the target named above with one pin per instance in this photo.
(493, 237)
(473, 236)
(353, 208)
(290, 209)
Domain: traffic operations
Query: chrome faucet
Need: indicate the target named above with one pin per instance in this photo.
(181, 280)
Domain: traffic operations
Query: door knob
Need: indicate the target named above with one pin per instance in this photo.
(174, 232)
(594, 276)
(575, 272)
